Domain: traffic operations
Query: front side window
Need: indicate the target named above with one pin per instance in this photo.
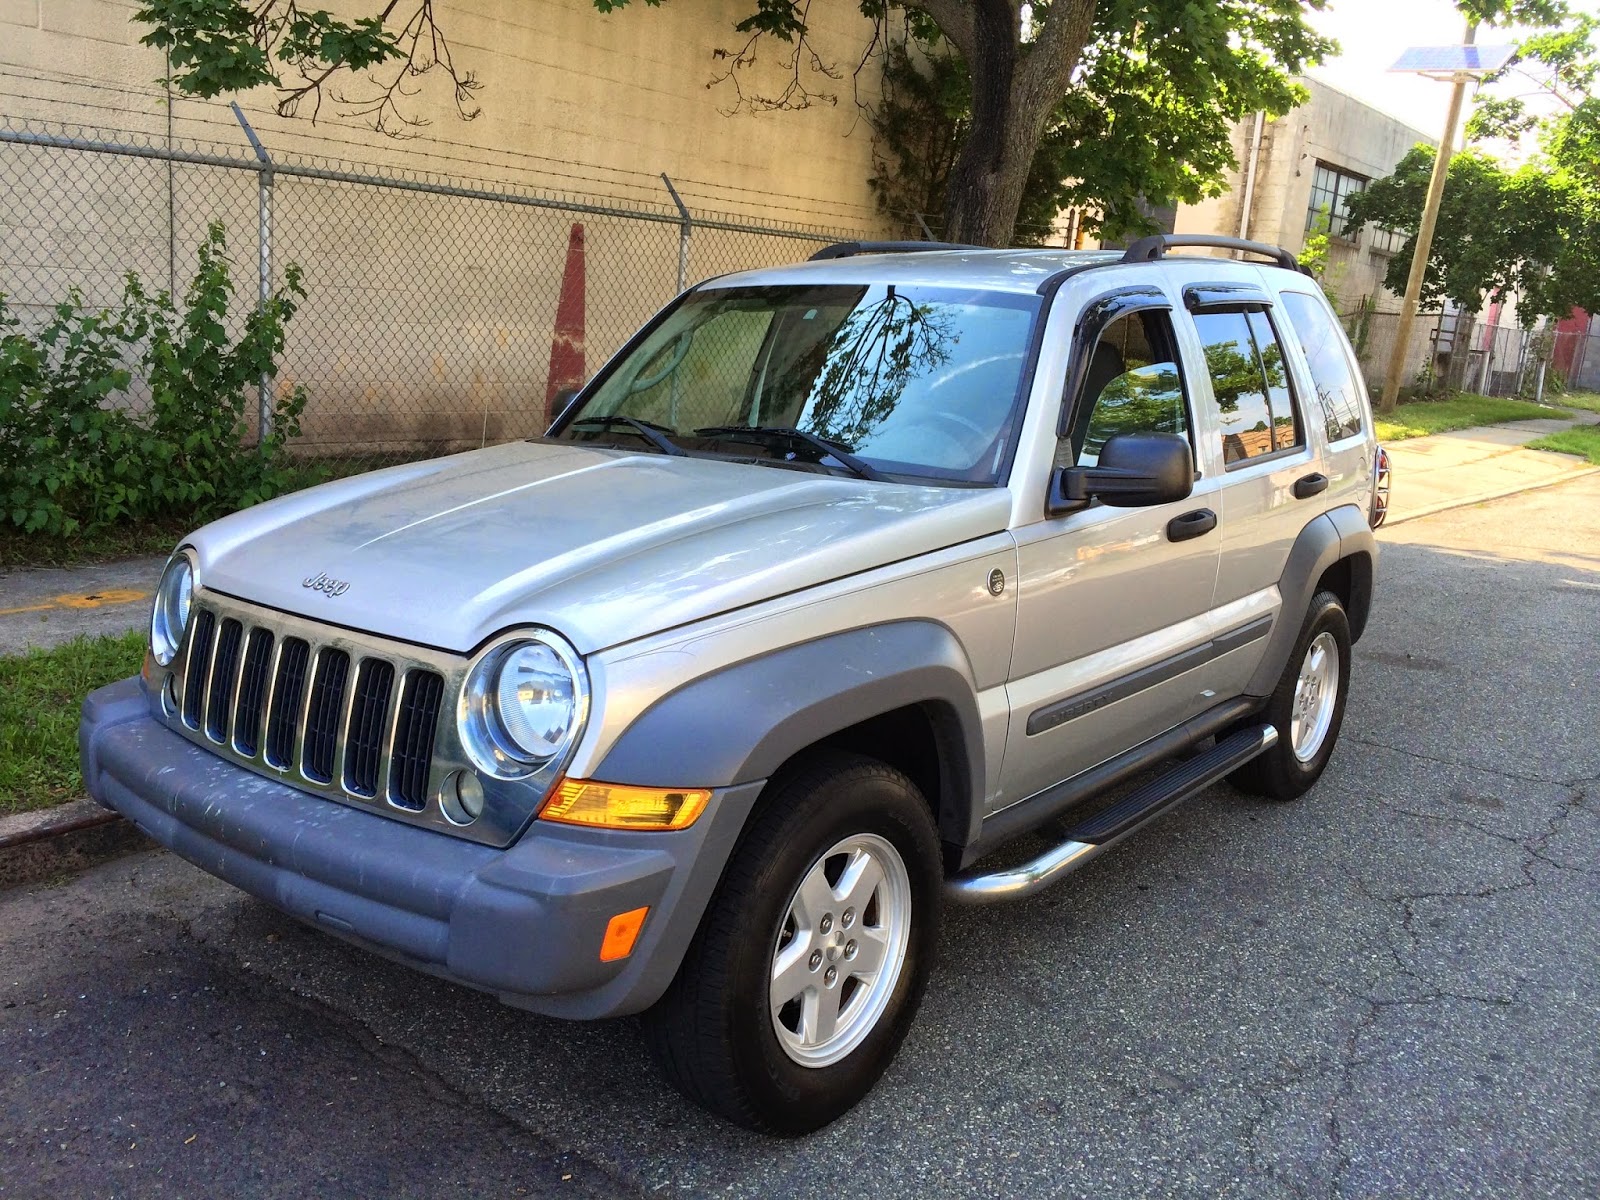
(1331, 190)
(1250, 384)
(1338, 393)
(1132, 385)
(922, 381)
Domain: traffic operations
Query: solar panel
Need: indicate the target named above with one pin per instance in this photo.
(1476, 60)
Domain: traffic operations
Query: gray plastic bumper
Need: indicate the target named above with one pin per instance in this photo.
(525, 922)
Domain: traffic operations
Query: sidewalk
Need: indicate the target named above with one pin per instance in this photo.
(1469, 466)
(44, 606)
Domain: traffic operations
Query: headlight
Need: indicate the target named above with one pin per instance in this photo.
(523, 703)
(170, 615)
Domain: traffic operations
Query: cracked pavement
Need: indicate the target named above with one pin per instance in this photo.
(1390, 987)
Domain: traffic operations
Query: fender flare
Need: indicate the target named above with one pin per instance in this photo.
(742, 723)
(1336, 535)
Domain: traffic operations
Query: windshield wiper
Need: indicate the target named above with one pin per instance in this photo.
(656, 435)
(772, 433)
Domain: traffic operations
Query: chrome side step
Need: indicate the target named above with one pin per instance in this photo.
(1105, 829)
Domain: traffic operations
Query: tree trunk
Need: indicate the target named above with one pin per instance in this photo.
(1013, 95)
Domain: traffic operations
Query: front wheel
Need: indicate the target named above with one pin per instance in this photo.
(1307, 707)
(813, 956)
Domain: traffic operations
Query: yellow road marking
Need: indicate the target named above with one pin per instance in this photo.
(87, 600)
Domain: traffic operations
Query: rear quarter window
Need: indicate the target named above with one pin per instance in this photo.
(1332, 373)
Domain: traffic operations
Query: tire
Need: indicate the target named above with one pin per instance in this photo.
(716, 1035)
(1286, 772)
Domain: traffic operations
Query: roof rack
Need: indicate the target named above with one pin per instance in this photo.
(1149, 249)
(850, 249)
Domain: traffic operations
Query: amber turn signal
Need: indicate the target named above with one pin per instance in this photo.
(621, 806)
(622, 931)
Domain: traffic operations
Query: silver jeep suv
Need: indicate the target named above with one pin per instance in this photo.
(834, 581)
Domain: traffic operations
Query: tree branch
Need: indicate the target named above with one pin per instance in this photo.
(954, 19)
(1056, 49)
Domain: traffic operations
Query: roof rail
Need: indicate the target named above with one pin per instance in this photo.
(850, 249)
(1149, 249)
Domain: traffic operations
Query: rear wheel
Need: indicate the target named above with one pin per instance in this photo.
(812, 958)
(1306, 708)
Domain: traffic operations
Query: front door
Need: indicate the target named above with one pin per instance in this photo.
(1114, 604)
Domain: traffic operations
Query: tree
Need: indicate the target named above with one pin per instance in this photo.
(1533, 231)
(1151, 81)
(1146, 116)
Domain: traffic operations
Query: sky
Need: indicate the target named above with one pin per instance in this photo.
(1372, 33)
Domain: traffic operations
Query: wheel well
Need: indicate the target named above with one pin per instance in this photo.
(919, 741)
(1350, 579)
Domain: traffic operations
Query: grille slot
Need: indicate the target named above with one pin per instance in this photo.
(369, 713)
(224, 674)
(252, 693)
(322, 715)
(199, 668)
(413, 739)
(349, 717)
(288, 694)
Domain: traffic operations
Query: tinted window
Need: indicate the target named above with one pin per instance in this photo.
(1238, 381)
(1285, 428)
(915, 380)
(1132, 385)
(1338, 392)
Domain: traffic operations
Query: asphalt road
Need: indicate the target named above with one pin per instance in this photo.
(1388, 988)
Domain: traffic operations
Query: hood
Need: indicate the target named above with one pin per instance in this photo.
(603, 546)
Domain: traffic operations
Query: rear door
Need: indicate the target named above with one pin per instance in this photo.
(1273, 477)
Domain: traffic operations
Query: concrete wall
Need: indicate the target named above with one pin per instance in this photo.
(576, 98)
(1331, 127)
(430, 319)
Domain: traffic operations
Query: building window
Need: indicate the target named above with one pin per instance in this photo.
(1331, 188)
(1387, 241)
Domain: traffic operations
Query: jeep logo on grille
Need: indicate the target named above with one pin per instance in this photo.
(323, 583)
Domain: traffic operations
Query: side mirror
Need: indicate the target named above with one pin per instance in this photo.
(1136, 470)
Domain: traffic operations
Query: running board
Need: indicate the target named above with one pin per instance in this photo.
(1105, 829)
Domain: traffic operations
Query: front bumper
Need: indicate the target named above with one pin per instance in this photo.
(525, 922)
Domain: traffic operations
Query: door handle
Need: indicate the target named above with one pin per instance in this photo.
(1310, 485)
(1191, 525)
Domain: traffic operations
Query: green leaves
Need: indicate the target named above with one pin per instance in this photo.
(75, 456)
(1147, 116)
(1534, 231)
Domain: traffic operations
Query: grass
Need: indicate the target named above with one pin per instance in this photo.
(1422, 417)
(1588, 401)
(40, 693)
(1582, 440)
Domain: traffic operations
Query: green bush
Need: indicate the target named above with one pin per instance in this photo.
(73, 460)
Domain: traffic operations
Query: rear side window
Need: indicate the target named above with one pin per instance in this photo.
(1337, 390)
(1250, 384)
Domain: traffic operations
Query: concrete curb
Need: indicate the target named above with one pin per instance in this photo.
(62, 840)
(1428, 510)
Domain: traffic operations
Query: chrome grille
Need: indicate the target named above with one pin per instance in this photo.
(358, 718)
(313, 710)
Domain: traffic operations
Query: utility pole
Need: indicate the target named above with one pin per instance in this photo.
(1430, 218)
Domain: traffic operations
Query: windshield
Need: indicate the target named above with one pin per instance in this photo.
(920, 381)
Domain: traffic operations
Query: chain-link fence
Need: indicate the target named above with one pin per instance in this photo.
(1454, 352)
(439, 315)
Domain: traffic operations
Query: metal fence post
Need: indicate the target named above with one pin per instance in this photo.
(263, 269)
(684, 230)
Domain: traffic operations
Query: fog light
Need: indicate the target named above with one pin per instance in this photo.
(618, 806)
(461, 798)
